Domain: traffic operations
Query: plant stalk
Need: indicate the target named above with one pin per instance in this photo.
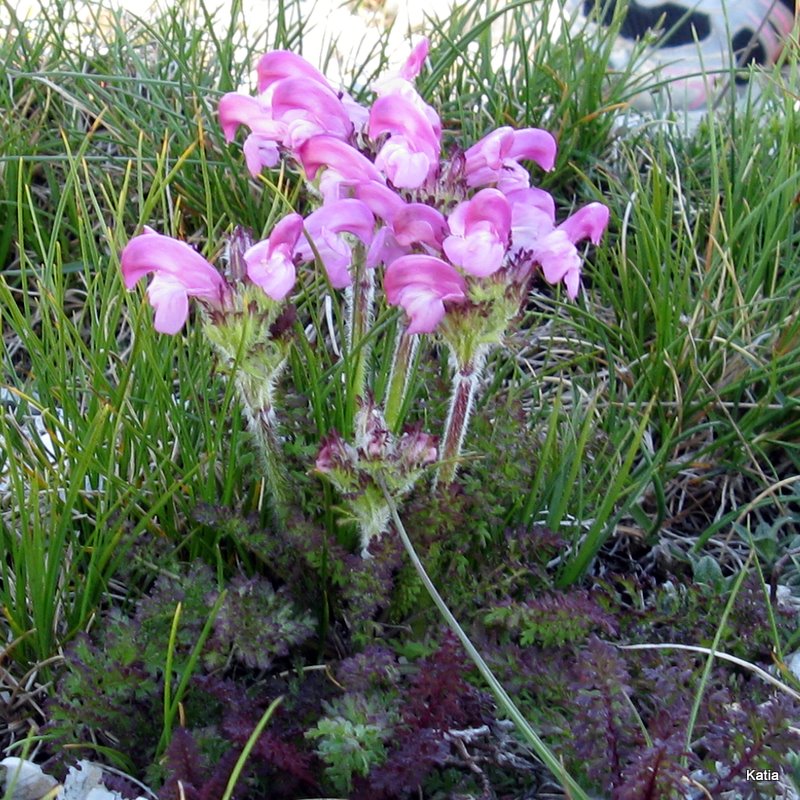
(261, 424)
(404, 352)
(549, 758)
(360, 298)
(462, 400)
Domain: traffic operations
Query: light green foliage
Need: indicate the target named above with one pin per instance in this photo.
(350, 739)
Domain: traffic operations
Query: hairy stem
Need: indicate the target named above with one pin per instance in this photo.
(462, 400)
(398, 381)
(360, 299)
(261, 422)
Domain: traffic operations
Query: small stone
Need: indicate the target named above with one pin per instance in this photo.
(24, 780)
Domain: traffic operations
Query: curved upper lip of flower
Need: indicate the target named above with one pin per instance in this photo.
(397, 115)
(341, 216)
(328, 151)
(154, 252)
(421, 284)
(508, 144)
(279, 64)
(300, 97)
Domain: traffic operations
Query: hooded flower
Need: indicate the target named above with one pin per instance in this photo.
(411, 154)
(479, 233)
(421, 284)
(295, 104)
(407, 224)
(350, 166)
(536, 237)
(495, 158)
(270, 264)
(179, 272)
(325, 227)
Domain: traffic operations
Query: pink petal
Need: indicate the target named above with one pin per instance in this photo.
(398, 116)
(491, 206)
(384, 249)
(382, 201)
(358, 114)
(287, 231)
(414, 62)
(336, 256)
(328, 151)
(405, 167)
(423, 270)
(168, 297)
(489, 151)
(512, 177)
(349, 215)
(534, 144)
(533, 198)
(281, 64)
(237, 109)
(270, 263)
(480, 253)
(419, 223)
(153, 252)
(259, 153)
(559, 260)
(421, 284)
(588, 222)
(302, 98)
(271, 269)
(424, 308)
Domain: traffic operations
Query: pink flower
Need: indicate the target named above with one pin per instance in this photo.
(421, 284)
(385, 248)
(589, 222)
(325, 227)
(411, 154)
(280, 64)
(308, 109)
(296, 103)
(495, 158)
(179, 272)
(410, 223)
(260, 152)
(419, 223)
(479, 233)
(270, 264)
(536, 237)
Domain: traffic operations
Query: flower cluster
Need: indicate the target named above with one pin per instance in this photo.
(455, 233)
(435, 224)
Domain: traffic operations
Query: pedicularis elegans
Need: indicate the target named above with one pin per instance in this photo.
(452, 238)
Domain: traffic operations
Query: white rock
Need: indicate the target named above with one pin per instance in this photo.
(793, 662)
(24, 780)
(86, 783)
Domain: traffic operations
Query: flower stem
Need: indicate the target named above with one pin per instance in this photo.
(465, 383)
(398, 381)
(360, 299)
(549, 758)
(261, 424)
